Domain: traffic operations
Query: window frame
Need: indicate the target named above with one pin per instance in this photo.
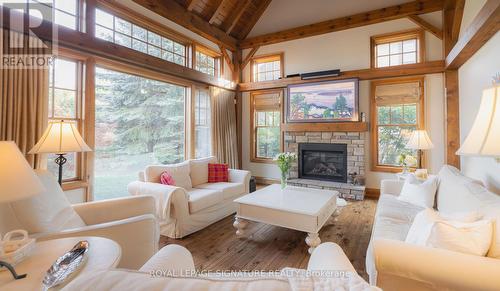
(264, 59)
(79, 119)
(79, 18)
(253, 127)
(375, 40)
(375, 166)
(218, 63)
(194, 91)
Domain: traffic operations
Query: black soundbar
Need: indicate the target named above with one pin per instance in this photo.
(322, 74)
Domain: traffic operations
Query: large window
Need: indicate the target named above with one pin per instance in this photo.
(265, 121)
(138, 122)
(203, 137)
(65, 95)
(397, 49)
(267, 68)
(125, 33)
(397, 110)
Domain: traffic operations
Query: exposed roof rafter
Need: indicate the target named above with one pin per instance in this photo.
(426, 25)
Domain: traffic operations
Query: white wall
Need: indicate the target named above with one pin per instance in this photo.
(350, 50)
(474, 76)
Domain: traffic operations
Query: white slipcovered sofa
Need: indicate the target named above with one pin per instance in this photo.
(129, 221)
(393, 264)
(172, 268)
(194, 203)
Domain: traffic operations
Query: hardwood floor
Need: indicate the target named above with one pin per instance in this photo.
(266, 247)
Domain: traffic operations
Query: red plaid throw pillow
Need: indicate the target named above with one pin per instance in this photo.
(218, 173)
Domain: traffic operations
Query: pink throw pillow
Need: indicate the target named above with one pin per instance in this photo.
(166, 179)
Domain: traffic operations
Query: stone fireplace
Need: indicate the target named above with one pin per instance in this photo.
(323, 161)
(324, 144)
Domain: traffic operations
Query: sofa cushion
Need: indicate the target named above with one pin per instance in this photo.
(228, 189)
(49, 211)
(390, 206)
(199, 170)
(202, 198)
(454, 191)
(179, 172)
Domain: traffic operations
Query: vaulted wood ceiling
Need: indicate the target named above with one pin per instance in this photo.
(235, 17)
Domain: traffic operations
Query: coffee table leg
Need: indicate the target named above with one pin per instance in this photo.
(240, 224)
(312, 240)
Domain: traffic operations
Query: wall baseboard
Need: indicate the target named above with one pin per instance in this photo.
(266, 181)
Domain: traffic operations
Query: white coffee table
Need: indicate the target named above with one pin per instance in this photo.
(103, 254)
(302, 209)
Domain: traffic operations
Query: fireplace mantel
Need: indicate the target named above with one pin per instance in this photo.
(327, 126)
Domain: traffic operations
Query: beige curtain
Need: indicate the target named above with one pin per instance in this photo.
(224, 135)
(23, 101)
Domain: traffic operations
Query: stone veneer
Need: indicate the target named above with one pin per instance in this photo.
(356, 142)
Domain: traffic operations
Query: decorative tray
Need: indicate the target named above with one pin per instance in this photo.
(66, 265)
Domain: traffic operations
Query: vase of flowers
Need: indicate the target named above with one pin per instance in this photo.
(407, 161)
(284, 162)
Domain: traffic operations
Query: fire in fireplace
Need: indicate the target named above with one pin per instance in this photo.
(323, 161)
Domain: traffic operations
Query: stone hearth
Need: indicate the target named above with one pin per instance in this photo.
(355, 141)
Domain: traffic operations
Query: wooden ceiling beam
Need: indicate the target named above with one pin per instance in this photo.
(249, 57)
(175, 12)
(255, 17)
(426, 25)
(432, 67)
(235, 17)
(220, 5)
(342, 23)
(457, 19)
(226, 57)
(484, 26)
(191, 4)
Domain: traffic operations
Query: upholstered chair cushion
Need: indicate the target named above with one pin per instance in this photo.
(49, 211)
(199, 170)
(179, 172)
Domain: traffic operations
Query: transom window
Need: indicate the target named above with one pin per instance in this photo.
(205, 63)
(65, 95)
(65, 11)
(267, 68)
(266, 122)
(125, 33)
(397, 109)
(397, 49)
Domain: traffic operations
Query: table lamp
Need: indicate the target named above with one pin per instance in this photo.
(420, 141)
(18, 181)
(484, 136)
(60, 138)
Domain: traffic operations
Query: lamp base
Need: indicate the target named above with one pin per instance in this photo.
(60, 160)
(12, 270)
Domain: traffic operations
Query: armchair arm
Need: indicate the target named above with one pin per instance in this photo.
(329, 256)
(402, 266)
(240, 176)
(137, 236)
(173, 258)
(114, 209)
(392, 187)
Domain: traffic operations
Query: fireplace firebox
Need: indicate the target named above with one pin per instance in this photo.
(323, 161)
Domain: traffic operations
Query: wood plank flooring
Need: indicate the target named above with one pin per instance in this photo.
(266, 247)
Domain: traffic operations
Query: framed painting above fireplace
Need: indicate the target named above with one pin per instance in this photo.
(330, 101)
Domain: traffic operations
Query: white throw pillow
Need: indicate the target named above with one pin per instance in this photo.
(199, 170)
(418, 192)
(432, 230)
(179, 172)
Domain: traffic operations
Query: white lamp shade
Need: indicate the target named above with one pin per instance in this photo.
(60, 137)
(484, 136)
(17, 179)
(419, 140)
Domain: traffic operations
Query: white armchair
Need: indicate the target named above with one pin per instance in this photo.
(128, 221)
